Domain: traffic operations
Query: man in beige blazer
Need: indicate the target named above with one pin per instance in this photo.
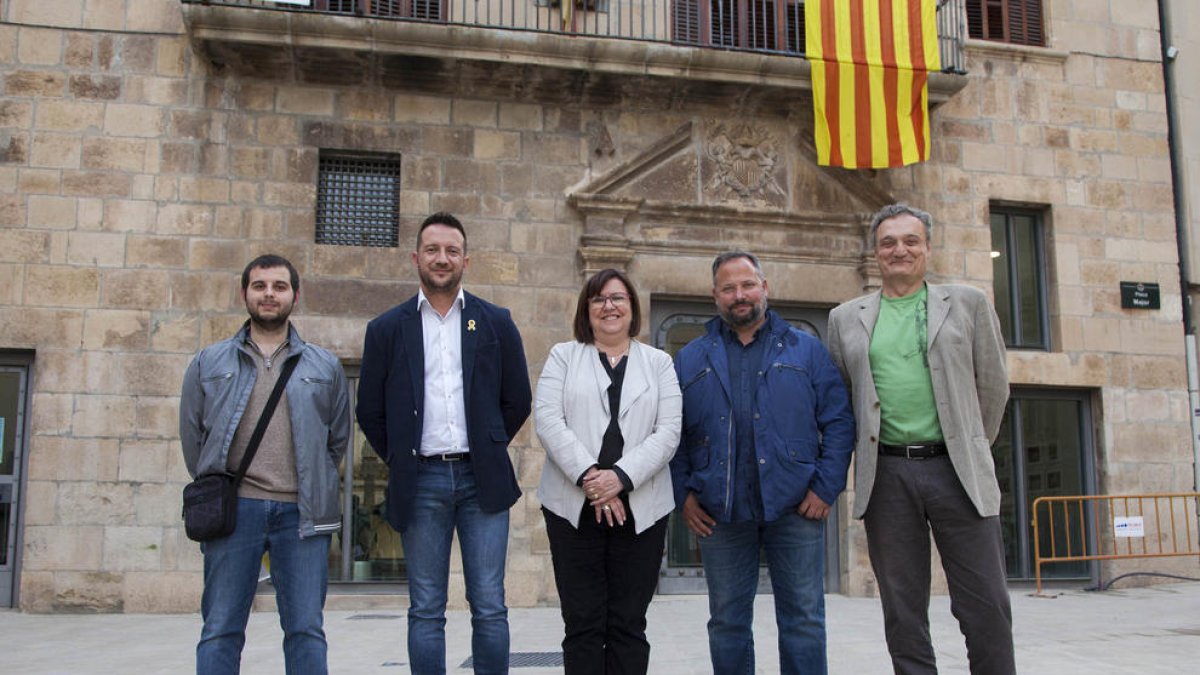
(926, 367)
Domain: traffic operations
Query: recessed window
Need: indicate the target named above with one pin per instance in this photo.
(430, 10)
(1019, 277)
(1044, 449)
(366, 549)
(676, 323)
(759, 25)
(589, 5)
(1017, 22)
(358, 199)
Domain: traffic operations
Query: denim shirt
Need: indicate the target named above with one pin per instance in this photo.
(745, 368)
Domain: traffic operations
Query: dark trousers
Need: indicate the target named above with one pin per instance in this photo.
(911, 497)
(605, 577)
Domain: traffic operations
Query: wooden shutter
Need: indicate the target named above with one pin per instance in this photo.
(391, 8)
(724, 17)
(427, 9)
(794, 17)
(1025, 22)
(1017, 22)
(685, 17)
(339, 6)
(762, 24)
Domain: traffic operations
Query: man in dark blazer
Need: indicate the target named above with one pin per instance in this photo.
(443, 389)
(929, 382)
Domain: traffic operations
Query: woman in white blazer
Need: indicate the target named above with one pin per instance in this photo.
(608, 413)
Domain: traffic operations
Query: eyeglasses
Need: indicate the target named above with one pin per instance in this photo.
(617, 300)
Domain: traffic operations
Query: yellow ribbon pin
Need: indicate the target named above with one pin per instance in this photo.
(470, 324)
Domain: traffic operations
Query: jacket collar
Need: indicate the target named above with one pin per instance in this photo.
(414, 343)
(295, 343)
(470, 330)
(714, 342)
(459, 299)
(636, 380)
(938, 307)
(772, 328)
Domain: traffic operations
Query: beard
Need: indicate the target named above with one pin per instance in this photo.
(433, 285)
(749, 319)
(270, 323)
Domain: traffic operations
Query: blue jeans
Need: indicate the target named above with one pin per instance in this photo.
(299, 572)
(795, 548)
(446, 500)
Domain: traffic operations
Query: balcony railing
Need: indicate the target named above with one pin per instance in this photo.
(764, 26)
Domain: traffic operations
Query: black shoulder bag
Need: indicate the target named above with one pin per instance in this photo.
(210, 502)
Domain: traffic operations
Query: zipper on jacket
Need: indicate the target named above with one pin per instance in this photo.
(790, 366)
(695, 379)
(729, 452)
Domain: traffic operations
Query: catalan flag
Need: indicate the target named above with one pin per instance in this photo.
(871, 61)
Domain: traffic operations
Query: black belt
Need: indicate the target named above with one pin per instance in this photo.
(447, 457)
(914, 451)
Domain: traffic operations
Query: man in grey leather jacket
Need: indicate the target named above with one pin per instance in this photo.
(288, 501)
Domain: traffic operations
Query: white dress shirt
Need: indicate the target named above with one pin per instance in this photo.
(445, 429)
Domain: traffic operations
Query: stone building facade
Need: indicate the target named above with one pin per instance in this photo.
(1182, 43)
(149, 148)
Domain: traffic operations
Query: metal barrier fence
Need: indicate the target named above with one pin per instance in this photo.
(1118, 527)
(767, 26)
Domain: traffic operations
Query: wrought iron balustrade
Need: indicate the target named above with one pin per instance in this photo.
(765, 26)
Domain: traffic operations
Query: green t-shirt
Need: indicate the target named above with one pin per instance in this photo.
(900, 366)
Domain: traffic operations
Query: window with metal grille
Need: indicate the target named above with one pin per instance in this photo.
(358, 199)
(758, 25)
(1017, 22)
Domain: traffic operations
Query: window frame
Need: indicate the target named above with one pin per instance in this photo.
(327, 217)
(676, 578)
(1086, 400)
(343, 544)
(744, 32)
(1022, 22)
(421, 10)
(1013, 336)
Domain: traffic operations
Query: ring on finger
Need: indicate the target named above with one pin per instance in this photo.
(606, 507)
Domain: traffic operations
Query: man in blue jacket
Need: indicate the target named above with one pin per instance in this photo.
(443, 389)
(767, 437)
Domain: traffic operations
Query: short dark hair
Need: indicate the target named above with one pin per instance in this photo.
(734, 255)
(442, 218)
(583, 322)
(271, 260)
(900, 209)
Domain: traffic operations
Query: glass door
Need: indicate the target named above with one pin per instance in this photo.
(674, 324)
(367, 549)
(1044, 449)
(14, 380)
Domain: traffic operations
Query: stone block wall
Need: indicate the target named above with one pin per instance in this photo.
(1079, 131)
(136, 181)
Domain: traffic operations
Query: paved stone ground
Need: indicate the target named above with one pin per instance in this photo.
(1126, 631)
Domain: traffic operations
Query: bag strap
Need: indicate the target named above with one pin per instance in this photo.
(261, 428)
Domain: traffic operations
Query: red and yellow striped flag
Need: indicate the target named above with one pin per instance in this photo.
(870, 67)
